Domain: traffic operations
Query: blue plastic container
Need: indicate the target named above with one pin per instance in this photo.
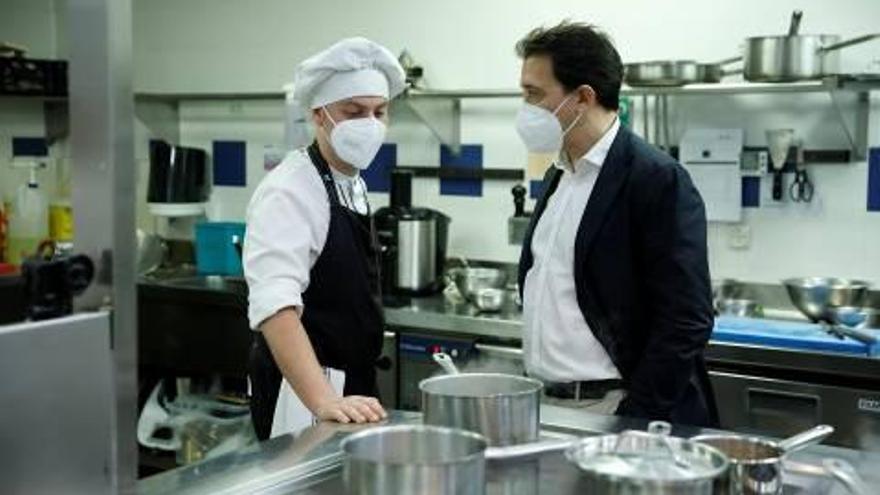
(215, 251)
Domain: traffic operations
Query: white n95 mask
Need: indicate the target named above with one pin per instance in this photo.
(539, 128)
(356, 141)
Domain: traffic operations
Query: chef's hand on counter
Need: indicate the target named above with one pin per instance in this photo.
(295, 356)
(351, 409)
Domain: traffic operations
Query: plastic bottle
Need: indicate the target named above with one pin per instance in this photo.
(4, 227)
(28, 222)
(296, 121)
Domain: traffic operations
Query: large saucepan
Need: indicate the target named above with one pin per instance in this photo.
(439, 461)
(503, 408)
(794, 57)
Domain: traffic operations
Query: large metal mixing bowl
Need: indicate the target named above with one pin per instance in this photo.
(816, 297)
(471, 280)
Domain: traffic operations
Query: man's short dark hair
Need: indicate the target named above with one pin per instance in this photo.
(580, 54)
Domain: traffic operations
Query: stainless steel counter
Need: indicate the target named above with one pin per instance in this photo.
(451, 316)
(311, 462)
(759, 388)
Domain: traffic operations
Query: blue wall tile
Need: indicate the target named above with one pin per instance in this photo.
(471, 156)
(874, 179)
(751, 192)
(378, 175)
(29, 146)
(230, 163)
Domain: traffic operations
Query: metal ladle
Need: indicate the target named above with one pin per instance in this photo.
(445, 362)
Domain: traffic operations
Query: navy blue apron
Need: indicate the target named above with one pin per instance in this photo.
(343, 308)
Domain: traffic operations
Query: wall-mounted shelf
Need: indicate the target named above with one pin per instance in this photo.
(219, 96)
(440, 110)
(846, 83)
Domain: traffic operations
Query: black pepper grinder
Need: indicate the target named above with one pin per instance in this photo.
(519, 200)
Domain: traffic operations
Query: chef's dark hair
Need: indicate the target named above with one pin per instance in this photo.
(580, 54)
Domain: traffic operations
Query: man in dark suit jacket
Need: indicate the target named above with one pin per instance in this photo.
(614, 272)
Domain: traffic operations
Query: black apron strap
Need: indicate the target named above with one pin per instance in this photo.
(265, 380)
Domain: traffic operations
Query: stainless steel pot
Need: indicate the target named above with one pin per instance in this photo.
(715, 71)
(503, 408)
(414, 459)
(756, 463)
(661, 73)
(794, 57)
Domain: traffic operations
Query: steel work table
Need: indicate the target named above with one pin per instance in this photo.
(311, 463)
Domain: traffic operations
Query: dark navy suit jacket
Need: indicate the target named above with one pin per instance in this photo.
(642, 279)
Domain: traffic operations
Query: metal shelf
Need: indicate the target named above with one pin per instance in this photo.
(440, 110)
(834, 83)
(190, 96)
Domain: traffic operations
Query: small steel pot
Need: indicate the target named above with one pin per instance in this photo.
(756, 463)
(413, 459)
(503, 408)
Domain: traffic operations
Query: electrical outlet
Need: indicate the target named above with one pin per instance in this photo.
(739, 236)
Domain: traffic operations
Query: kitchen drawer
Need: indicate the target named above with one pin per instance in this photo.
(781, 408)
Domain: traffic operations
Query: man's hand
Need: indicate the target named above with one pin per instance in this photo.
(351, 409)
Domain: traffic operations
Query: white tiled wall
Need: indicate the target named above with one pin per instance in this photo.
(226, 45)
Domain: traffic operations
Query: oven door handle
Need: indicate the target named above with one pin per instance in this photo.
(500, 350)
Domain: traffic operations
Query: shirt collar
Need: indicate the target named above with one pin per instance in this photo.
(595, 155)
(341, 178)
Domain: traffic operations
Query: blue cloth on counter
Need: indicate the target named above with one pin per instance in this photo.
(788, 335)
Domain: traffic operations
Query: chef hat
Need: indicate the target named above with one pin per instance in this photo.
(351, 67)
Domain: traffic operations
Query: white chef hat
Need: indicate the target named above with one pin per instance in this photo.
(351, 67)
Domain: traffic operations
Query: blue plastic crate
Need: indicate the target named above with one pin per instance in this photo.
(215, 253)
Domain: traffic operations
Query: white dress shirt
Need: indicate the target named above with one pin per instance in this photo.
(287, 222)
(558, 344)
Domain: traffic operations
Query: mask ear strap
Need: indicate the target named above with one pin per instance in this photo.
(573, 123)
(564, 101)
(327, 113)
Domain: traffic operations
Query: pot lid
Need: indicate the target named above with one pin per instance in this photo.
(648, 457)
